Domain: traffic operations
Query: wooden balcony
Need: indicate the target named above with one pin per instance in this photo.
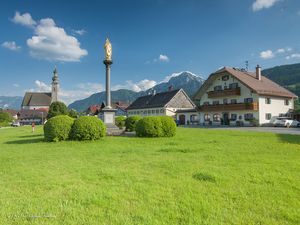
(224, 93)
(230, 107)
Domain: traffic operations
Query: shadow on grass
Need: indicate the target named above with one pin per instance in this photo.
(31, 136)
(289, 138)
(26, 141)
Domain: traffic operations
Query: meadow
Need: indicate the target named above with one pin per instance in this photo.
(200, 176)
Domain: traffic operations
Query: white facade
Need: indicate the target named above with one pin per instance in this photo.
(275, 106)
(35, 107)
(151, 112)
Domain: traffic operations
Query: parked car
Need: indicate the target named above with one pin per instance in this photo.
(15, 124)
(285, 122)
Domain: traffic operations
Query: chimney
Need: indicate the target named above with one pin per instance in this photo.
(258, 72)
(170, 88)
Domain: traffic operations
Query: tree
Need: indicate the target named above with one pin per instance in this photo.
(73, 113)
(57, 108)
(5, 118)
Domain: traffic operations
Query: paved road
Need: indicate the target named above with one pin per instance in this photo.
(276, 130)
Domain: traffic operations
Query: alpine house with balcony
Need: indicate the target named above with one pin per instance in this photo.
(235, 97)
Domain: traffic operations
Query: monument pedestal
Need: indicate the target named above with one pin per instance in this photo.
(107, 115)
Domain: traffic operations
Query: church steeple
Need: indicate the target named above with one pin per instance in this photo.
(55, 86)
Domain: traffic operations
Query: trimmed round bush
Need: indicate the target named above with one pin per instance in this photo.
(131, 121)
(87, 128)
(156, 126)
(149, 126)
(58, 128)
(168, 126)
(120, 121)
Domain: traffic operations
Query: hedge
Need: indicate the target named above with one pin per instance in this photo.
(156, 126)
(58, 128)
(87, 128)
(168, 126)
(131, 122)
(120, 121)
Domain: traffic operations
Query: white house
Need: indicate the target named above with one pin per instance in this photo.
(234, 97)
(161, 104)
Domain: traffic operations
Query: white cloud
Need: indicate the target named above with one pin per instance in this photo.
(11, 45)
(289, 49)
(80, 32)
(280, 50)
(263, 4)
(268, 54)
(53, 43)
(41, 86)
(139, 86)
(163, 58)
(296, 55)
(16, 85)
(25, 19)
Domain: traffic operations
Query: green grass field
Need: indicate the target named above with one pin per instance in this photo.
(200, 176)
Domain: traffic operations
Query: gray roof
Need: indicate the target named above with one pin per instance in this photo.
(153, 101)
(37, 99)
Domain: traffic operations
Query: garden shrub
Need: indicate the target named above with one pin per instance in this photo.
(58, 128)
(168, 126)
(131, 121)
(87, 128)
(57, 108)
(149, 126)
(120, 121)
(156, 126)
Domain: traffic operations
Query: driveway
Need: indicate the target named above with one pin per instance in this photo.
(276, 130)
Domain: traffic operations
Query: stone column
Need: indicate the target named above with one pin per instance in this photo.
(108, 98)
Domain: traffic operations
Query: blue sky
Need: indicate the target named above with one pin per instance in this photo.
(151, 39)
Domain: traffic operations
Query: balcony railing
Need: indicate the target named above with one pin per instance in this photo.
(230, 107)
(225, 92)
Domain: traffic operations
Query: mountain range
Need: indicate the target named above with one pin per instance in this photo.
(9, 102)
(188, 81)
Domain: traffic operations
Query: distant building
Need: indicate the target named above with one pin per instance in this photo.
(158, 104)
(42, 100)
(119, 106)
(233, 97)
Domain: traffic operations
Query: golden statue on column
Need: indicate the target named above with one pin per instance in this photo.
(108, 50)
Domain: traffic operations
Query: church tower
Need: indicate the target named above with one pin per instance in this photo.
(55, 86)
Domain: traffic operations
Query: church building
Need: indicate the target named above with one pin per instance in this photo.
(42, 100)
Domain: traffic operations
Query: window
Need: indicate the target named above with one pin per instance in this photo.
(218, 88)
(206, 117)
(233, 86)
(286, 102)
(205, 103)
(225, 101)
(248, 116)
(225, 77)
(216, 103)
(162, 111)
(268, 100)
(217, 117)
(153, 111)
(233, 117)
(268, 116)
(157, 111)
(233, 101)
(149, 111)
(248, 100)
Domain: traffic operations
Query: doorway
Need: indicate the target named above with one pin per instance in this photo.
(181, 119)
